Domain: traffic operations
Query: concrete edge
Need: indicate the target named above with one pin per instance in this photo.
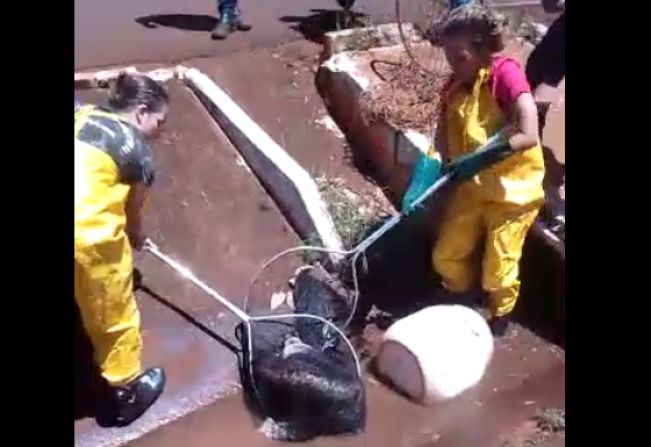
(342, 64)
(395, 149)
(294, 190)
(101, 78)
(352, 39)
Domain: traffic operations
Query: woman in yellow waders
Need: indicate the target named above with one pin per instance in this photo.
(113, 168)
(500, 203)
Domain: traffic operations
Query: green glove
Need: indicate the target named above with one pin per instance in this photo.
(467, 166)
(426, 171)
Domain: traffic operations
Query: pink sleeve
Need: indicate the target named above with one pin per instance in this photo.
(508, 81)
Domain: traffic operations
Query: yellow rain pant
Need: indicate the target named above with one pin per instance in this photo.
(499, 204)
(103, 264)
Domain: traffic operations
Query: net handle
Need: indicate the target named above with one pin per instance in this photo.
(186, 273)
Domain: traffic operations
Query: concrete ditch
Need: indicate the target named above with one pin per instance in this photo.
(527, 372)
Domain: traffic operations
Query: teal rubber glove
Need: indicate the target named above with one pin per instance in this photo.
(469, 165)
(496, 149)
(426, 171)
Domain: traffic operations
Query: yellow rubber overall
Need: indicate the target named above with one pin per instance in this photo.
(103, 262)
(499, 204)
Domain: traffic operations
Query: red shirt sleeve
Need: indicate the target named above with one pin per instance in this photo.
(507, 81)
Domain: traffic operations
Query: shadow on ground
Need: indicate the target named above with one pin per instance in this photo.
(184, 22)
(190, 319)
(320, 21)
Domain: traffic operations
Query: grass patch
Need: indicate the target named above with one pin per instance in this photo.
(353, 214)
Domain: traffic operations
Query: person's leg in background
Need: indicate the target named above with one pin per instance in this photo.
(546, 68)
(546, 64)
(457, 3)
(230, 19)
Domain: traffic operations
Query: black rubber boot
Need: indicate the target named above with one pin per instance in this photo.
(127, 403)
(500, 325)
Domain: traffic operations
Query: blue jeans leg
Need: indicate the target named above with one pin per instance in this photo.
(228, 10)
(457, 3)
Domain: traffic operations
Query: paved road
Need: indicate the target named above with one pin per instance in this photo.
(107, 31)
(113, 32)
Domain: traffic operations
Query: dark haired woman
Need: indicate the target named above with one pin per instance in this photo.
(113, 168)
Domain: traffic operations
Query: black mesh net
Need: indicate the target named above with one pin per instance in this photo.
(299, 373)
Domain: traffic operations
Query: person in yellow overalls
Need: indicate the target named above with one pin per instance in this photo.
(113, 169)
(487, 92)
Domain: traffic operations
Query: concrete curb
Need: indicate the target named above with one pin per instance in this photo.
(341, 82)
(100, 79)
(356, 39)
(293, 189)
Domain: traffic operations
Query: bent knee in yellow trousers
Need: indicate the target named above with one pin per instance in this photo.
(504, 226)
(104, 294)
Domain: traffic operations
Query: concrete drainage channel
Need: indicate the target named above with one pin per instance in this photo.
(224, 210)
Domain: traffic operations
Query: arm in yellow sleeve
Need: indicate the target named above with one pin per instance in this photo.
(136, 203)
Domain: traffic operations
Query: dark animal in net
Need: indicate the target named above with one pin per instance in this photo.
(302, 379)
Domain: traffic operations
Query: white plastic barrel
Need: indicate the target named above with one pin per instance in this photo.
(436, 353)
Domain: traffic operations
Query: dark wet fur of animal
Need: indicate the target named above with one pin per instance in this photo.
(314, 390)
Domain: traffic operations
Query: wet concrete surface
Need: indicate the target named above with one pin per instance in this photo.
(526, 375)
(210, 213)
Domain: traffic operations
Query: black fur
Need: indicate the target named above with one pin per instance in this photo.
(314, 296)
(303, 377)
